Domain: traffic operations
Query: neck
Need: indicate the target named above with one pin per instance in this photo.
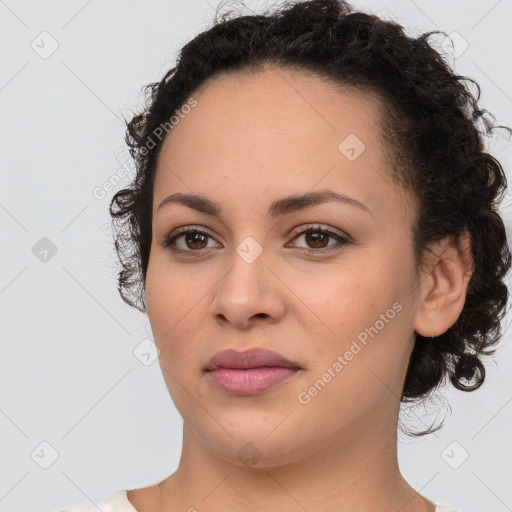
(355, 472)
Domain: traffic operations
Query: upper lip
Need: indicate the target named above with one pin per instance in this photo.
(252, 358)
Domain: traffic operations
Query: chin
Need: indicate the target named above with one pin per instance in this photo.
(253, 441)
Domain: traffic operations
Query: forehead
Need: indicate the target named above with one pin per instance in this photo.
(276, 129)
(292, 104)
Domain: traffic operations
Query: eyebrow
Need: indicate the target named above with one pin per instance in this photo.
(283, 206)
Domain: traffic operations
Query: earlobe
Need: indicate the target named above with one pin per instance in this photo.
(444, 285)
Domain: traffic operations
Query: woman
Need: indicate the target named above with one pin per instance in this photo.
(313, 233)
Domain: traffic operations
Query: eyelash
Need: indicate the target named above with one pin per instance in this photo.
(310, 228)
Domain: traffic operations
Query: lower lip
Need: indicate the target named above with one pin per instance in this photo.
(250, 381)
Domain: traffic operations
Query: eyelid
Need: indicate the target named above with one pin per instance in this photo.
(188, 228)
(304, 228)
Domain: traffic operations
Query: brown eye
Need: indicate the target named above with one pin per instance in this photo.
(196, 240)
(317, 239)
(188, 240)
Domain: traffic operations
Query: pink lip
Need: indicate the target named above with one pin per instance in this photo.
(250, 372)
(251, 381)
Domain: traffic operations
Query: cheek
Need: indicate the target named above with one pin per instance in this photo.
(349, 297)
(356, 363)
(364, 317)
(176, 303)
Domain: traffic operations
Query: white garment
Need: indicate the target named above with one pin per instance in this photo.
(118, 502)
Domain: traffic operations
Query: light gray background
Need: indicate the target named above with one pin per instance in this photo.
(68, 374)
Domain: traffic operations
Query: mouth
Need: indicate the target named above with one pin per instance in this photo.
(250, 372)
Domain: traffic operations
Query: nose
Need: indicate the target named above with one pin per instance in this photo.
(249, 293)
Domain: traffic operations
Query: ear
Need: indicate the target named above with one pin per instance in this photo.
(444, 281)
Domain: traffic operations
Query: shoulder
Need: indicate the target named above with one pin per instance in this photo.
(116, 502)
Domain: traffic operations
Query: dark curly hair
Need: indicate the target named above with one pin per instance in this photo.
(430, 131)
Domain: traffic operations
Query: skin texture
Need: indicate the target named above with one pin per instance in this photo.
(253, 139)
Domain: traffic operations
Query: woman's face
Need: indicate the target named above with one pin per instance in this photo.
(342, 309)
